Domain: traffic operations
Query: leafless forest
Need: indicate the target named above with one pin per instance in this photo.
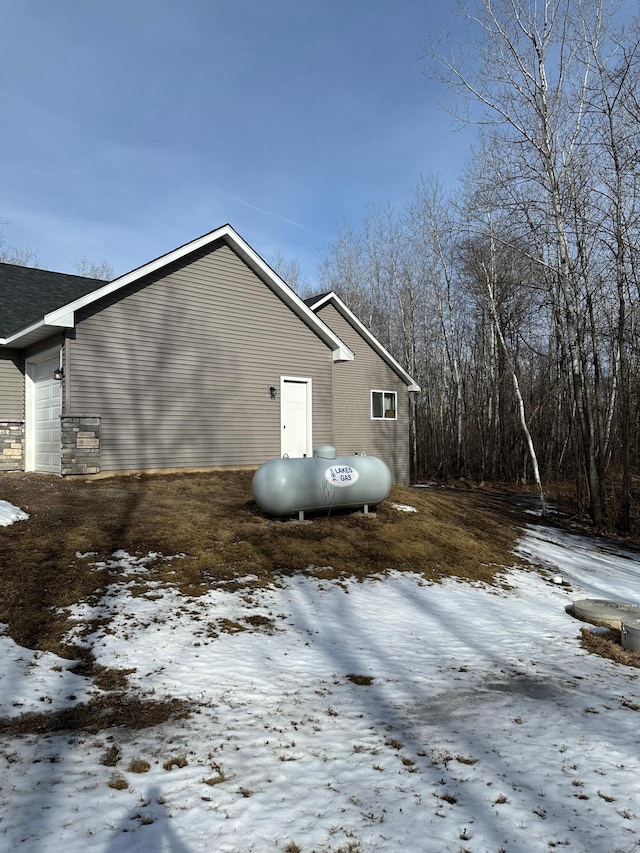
(514, 299)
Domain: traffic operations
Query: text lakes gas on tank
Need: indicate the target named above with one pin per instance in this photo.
(341, 475)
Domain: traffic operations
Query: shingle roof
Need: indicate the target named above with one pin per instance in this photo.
(311, 300)
(27, 294)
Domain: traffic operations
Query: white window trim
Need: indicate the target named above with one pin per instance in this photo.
(395, 408)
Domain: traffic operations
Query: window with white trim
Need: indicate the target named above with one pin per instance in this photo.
(384, 405)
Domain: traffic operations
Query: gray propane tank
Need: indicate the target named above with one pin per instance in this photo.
(284, 486)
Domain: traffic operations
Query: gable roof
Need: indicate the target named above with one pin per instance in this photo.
(55, 317)
(27, 293)
(322, 299)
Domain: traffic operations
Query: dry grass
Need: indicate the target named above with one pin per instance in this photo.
(118, 782)
(49, 563)
(212, 520)
(362, 680)
(97, 715)
(139, 765)
(608, 645)
(225, 541)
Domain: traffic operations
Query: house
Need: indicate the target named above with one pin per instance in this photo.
(202, 358)
(370, 391)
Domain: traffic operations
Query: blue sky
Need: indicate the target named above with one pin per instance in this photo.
(129, 127)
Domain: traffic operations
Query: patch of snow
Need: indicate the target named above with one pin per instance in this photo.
(123, 563)
(404, 508)
(10, 514)
(485, 725)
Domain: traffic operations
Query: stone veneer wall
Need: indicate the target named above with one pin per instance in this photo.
(12, 446)
(80, 444)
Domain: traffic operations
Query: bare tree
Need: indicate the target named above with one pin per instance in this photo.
(530, 77)
(19, 255)
(290, 271)
(614, 100)
(485, 263)
(101, 270)
(433, 234)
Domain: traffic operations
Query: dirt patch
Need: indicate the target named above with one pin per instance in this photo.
(97, 715)
(362, 680)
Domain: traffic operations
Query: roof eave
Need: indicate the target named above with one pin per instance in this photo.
(35, 332)
(384, 353)
(340, 351)
(63, 317)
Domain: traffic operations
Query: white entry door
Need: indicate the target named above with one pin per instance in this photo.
(44, 407)
(295, 408)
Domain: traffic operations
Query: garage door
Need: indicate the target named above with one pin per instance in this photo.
(44, 409)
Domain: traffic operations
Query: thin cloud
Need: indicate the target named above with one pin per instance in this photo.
(272, 214)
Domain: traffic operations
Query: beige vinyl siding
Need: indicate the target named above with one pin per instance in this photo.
(179, 368)
(11, 385)
(353, 428)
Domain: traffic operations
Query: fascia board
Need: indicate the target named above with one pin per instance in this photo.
(384, 353)
(341, 351)
(31, 335)
(66, 320)
(136, 274)
(17, 336)
(323, 301)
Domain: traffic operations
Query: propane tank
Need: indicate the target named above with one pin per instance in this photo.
(285, 486)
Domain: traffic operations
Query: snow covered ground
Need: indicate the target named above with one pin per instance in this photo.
(484, 727)
(9, 514)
